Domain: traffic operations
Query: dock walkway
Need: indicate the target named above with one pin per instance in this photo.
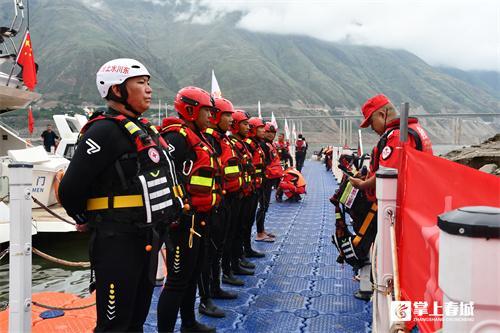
(298, 287)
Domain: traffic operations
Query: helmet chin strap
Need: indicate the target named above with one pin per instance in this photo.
(124, 98)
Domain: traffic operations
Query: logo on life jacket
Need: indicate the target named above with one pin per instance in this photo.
(386, 152)
(153, 155)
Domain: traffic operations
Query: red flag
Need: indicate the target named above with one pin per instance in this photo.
(445, 185)
(31, 121)
(26, 60)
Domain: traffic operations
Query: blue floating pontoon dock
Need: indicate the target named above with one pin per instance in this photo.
(298, 287)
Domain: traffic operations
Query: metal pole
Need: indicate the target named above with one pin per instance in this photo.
(403, 127)
(350, 132)
(459, 131)
(20, 179)
(386, 187)
(159, 112)
(340, 132)
(360, 140)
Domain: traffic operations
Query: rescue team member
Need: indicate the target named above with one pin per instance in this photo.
(232, 260)
(380, 114)
(273, 173)
(120, 184)
(283, 148)
(197, 162)
(229, 179)
(253, 143)
(300, 152)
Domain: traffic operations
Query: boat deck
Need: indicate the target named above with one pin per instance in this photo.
(298, 287)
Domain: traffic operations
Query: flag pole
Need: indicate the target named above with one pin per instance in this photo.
(159, 112)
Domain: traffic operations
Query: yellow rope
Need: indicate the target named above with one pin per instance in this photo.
(191, 232)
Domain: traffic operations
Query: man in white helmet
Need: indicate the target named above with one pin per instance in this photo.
(121, 184)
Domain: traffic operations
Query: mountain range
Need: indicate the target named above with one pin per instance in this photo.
(72, 39)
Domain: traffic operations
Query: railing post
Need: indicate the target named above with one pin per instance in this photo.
(386, 196)
(20, 179)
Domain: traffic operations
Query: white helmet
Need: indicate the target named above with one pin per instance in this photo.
(116, 72)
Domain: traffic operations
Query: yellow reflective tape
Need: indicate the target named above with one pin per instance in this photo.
(231, 169)
(122, 201)
(183, 132)
(346, 193)
(209, 130)
(258, 170)
(131, 127)
(153, 128)
(155, 174)
(338, 216)
(125, 201)
(202, 181)
(214, 199)
(97, 203)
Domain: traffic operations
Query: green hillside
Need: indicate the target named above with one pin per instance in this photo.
(72, 39)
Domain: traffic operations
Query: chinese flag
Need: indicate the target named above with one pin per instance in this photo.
(26, 60)
(31, 121)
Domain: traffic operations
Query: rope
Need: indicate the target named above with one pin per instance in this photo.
(50, 307)
(51, 212)
(84, 264)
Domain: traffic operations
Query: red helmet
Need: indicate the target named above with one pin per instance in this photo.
(190, 100)
(238, 117)
(222, 105)
(270, 127)
(254, 124)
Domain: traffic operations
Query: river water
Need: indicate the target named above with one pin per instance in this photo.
(49, 276)
(73, 246)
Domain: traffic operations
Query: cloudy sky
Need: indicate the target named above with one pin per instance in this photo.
(459, 33)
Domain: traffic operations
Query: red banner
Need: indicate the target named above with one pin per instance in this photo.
(31, 121)
(427, 187)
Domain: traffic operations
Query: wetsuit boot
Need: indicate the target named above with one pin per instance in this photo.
(197, 327)
(208, 308)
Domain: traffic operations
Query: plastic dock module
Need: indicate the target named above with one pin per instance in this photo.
(298, 286)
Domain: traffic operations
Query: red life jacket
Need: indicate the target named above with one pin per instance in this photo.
(258, 157)
(153, 195)
(201, 172)
(232, 175)
(292, 183)
(415, 131)
(300, 146)
(274, 170)
(247, 167)
(281, 147)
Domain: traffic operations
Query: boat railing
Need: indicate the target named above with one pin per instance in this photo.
(9, 33)
(2, 124)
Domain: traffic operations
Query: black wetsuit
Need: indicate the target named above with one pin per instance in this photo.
(300, 154)
(249, 211)
(117, 249)
(265, 196)
(217, 231)
(184, 255)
